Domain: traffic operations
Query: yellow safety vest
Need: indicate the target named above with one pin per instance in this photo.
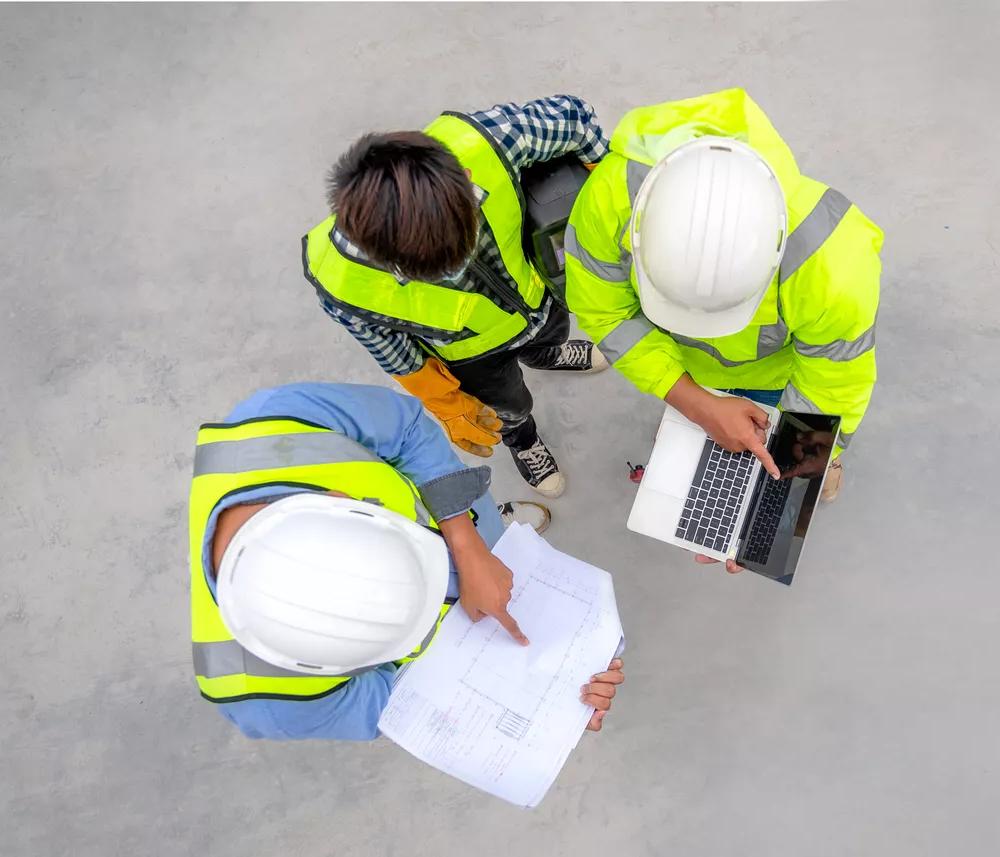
(813, 335)
(276, 451)
(471, 325)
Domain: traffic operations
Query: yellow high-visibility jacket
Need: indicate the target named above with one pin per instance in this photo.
(813, 336)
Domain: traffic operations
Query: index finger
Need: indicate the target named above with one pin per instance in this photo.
(758, 449)
(511, 626)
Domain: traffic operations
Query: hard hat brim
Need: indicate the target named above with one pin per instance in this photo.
(684, 321)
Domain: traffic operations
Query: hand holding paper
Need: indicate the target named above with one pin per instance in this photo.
(501, 716)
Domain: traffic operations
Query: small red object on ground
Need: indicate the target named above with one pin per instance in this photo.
(635, 472)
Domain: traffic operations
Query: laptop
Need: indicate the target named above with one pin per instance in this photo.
(696, 495)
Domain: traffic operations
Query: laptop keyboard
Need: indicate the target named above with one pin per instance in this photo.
(713, 503)
(757, 546)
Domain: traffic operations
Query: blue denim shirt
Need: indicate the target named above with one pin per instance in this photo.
(396, 429)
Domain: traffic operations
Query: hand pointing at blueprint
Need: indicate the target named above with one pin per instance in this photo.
(484, 582)
(502, 716)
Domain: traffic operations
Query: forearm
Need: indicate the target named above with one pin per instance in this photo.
(462, 538)
(395, 352)
(644, 354)
(582, 136)
(608, 311)
(544, 129)
(600, 291)
(690, 398)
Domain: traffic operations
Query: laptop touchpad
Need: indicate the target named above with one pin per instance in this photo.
(674, 459)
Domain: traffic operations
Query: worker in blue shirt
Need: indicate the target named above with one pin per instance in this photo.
(332, 527)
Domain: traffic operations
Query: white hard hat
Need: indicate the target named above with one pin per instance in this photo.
(708, 232)
(326, 585)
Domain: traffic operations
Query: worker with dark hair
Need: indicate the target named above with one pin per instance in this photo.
(422, 261)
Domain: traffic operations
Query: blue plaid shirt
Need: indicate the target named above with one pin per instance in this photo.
(527, 133)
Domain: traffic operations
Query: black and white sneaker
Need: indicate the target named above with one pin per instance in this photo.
(539, 469)
(575, 355)
(535, 515)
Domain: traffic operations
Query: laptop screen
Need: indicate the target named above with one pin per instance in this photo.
(775, 529)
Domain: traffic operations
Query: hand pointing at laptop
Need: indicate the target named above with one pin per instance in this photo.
(736, 424)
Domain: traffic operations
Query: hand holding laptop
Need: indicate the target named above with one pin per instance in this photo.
(810, 453)
(734, 423)
(731, 565)
(706, 487)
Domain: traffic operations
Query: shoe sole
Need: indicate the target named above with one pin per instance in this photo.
(551, 493)
(546, 516)
(591, 371)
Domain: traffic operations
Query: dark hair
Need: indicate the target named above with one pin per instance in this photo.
(406, 201)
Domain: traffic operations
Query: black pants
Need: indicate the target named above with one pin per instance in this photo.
(497, 380)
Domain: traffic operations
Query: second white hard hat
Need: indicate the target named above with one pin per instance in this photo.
(327, 585)
(708, 232)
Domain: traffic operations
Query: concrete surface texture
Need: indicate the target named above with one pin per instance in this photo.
(158, 166)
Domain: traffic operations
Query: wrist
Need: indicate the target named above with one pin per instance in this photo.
(464, 542)
(468, 550)
(691, 400)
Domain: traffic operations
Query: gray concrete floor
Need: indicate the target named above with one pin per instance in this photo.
(158, 166)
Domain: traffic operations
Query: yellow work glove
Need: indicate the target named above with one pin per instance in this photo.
(470, 424)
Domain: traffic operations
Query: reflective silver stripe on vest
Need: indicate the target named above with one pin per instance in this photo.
(289, 450)
(793, 400)
(613, 272)
(844, 440)
(624, 337)
(624, 254)
(810, 234)
(215, 660)
(840, 350)
(425, 641)
(771, 338)
(710, 350)
(423, 516)
(278, 450)
(635, 175)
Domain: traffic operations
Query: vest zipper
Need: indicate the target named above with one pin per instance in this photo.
(499, 287)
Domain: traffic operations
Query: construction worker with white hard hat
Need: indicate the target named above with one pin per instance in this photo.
(332, 527)
(699, 256)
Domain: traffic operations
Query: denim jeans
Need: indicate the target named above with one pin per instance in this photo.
(761, 397)
(497, 380)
